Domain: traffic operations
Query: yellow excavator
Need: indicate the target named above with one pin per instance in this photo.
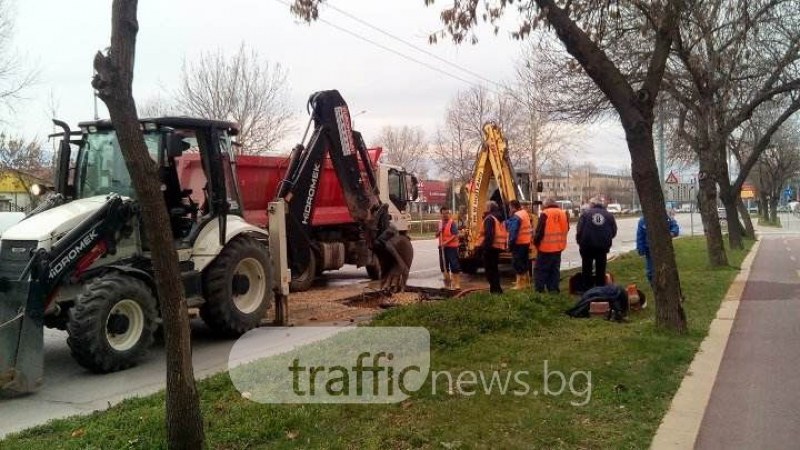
(493, 178)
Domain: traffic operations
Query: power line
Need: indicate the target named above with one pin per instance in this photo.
(411, 45)
(388, 49)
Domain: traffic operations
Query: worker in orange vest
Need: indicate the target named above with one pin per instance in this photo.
(493, 239)
(448, 250)
(550, 240)
(520, 233)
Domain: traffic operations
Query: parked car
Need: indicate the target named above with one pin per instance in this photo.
(723, 215)
(614, 208)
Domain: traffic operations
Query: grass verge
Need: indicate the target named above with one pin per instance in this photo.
(635, 371)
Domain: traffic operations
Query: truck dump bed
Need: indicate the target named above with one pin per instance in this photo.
(259, 177)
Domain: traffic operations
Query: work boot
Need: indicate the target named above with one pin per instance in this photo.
(518, 283)
(446, 280)
(526, 281)
(456, 282)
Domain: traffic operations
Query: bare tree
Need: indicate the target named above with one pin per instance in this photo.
(14, 76)
(458, 140)
(539, 140)
(778, 164)
(244, 88)
(404, 146)
(157, 106)
(732, 58)
(113, 81)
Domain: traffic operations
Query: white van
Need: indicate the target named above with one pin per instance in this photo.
(614, 208)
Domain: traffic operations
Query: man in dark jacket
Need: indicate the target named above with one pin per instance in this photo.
(493, 240)
(595, 232)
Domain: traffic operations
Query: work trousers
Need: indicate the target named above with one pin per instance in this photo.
(593, 258)
(519, 258)
(547, 271)
(491, 258)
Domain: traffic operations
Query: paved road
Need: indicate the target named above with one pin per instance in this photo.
(755, 402)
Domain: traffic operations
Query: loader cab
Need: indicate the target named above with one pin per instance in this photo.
(99, 168)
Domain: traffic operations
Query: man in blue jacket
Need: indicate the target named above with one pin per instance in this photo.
(644, 248)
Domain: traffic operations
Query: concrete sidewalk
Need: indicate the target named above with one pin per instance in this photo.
(742, 390)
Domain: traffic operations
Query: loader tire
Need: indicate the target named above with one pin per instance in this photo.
(303, 281)
(236, 287)
(113, 323)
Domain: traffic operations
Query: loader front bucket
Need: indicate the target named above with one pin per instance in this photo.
(21, 338)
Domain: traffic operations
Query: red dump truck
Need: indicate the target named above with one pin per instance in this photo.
(259, 177)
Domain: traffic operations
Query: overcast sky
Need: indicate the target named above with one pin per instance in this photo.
(61, 37)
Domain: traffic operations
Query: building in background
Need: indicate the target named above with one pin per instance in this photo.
(15, 190)
(579, 185)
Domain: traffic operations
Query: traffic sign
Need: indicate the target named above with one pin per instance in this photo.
(672, 178)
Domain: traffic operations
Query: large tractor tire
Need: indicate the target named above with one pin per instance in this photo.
(236, 287)
(303, 281)
(113, 323)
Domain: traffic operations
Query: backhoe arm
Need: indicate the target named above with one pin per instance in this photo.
(334, 137)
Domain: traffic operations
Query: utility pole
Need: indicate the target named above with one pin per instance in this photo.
(94, 95)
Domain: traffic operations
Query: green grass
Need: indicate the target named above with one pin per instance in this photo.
(635, 371)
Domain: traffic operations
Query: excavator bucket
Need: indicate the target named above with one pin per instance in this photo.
(21, 339)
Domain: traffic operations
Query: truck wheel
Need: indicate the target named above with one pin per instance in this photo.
(374, 271)
(303, 282)
(112, 325)
(236, 287)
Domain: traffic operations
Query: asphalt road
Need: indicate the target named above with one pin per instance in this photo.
(755, 402)
(69, 389)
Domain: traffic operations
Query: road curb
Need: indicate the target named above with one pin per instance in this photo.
(681, 425)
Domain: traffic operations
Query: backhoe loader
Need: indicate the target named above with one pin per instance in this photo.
(493, 178)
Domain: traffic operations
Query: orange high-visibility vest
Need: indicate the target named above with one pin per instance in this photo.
(524, 235)
(500, 241)
(447, 234)
(555, 231)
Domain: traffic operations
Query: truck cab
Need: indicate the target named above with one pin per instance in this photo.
(397, 188)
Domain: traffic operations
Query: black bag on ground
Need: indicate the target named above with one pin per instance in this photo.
(614, 294)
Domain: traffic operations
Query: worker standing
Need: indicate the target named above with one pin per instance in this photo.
(643, 247)
(519, 230)
(493, 239)
(595, 233)
(448, 250)
(550, 240)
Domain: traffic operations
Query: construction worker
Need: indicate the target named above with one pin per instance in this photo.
(550, 239)
(493, 239)
(448, 250)
(596, 231)
(519, 242)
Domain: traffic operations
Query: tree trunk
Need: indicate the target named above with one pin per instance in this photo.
(113, 81)
(666, 281)
(773, 209)
(707, 204)
(763, 207)
(749, 231)
(735, 229)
